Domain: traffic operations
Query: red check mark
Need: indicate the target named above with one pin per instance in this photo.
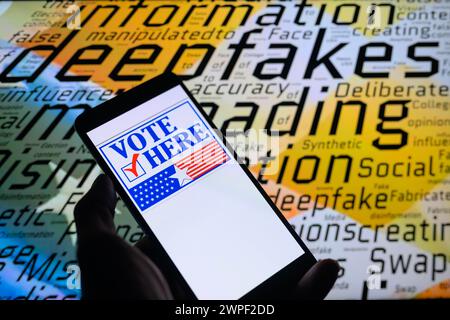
(133, 168)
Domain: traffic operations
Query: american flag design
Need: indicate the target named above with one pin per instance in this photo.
(178, 175)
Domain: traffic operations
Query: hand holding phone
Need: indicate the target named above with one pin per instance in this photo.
(113, 269)
(215, 229)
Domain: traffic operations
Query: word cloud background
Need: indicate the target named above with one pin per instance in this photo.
(358, 91)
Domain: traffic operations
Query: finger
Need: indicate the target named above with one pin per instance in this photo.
(149, 247)
(318, 281)
(95, 211)
(112, 269)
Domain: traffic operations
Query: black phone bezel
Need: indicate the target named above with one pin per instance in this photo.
(272, 287)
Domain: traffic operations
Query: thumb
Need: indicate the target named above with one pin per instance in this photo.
(318, 281)
(95, 211)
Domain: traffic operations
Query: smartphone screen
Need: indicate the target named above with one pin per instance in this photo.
(219, 231)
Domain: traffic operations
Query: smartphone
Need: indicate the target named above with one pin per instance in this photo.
(216, 229)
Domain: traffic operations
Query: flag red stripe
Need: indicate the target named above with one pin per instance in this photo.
(194, 169)
(200, 157)
(203, 160)
(217, 159)
(209, 167)
(199, 150)
(199, 153)
(206, 158)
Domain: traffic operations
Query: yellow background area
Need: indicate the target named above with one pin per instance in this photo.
(346, 127)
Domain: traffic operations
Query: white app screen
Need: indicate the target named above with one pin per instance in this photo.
(219, 231)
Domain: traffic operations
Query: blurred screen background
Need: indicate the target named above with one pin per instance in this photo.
(354, 92)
